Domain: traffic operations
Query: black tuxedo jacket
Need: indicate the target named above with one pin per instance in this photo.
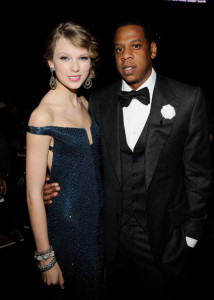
(177, 169)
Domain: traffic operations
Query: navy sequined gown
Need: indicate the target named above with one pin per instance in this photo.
(75, 218)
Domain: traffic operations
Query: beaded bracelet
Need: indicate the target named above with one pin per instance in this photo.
(43, 254)
(48, 266)
(45, 257)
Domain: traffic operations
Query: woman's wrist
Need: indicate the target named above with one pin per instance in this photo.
(46, 259)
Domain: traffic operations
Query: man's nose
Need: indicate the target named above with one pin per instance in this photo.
(126, 54)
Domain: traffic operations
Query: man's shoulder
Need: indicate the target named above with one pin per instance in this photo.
(175, 83)
(106, 90)
(184, 91)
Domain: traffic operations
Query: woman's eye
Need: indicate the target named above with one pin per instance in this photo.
(64, 58)
(84, 58)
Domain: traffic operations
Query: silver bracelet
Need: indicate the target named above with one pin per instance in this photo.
(48, 266)
(45, 257)
(43, 254)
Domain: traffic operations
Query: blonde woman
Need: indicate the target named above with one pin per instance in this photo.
(63, 137)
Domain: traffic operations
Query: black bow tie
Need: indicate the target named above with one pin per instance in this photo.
(126, 97)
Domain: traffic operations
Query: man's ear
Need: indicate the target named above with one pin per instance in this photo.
(153, 48)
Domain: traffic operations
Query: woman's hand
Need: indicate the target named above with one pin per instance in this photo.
(53, 276)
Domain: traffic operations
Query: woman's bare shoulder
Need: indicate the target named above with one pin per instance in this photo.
(42, 115)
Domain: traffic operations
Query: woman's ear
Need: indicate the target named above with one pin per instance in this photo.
(50, 63)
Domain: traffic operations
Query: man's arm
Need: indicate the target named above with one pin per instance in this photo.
(198, 170)
(50, 191)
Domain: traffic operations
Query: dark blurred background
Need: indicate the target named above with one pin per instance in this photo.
(184, 31)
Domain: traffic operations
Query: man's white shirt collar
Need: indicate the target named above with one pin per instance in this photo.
(150, 83)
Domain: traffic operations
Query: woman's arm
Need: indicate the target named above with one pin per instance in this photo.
(36, 165)
(37, 151)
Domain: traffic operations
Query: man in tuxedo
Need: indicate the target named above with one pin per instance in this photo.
(156, 171)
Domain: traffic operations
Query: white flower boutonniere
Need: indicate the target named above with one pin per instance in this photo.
(168, 111)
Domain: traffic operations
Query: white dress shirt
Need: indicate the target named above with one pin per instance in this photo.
(136, 114)
(135, 117)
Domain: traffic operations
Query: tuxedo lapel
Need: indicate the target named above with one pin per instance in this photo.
(159, 128)
(110, 124)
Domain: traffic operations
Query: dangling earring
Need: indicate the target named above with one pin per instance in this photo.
(88, 83)
(52, 81)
